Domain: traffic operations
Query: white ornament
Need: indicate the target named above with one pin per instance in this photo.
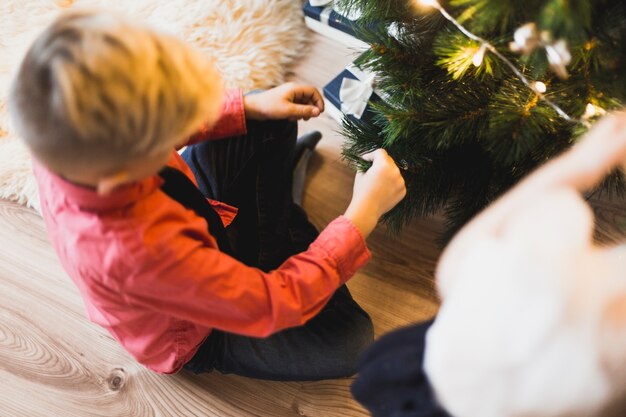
(526, 39)
(559, 57)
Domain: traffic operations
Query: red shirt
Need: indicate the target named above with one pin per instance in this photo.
(151, 274)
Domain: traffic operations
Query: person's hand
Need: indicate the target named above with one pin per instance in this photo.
(288, 101)
(376, 191)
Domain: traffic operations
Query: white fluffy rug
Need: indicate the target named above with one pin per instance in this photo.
(253, 42)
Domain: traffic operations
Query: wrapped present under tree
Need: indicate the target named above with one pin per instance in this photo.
(326, 18)
(351, 94)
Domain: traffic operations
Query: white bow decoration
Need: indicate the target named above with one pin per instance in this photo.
(355, 95)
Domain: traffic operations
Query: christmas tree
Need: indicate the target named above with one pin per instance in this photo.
(477, 93)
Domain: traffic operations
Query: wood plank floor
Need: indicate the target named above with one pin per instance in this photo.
(54, 362)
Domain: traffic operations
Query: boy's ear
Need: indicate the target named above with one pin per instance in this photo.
(108, 184)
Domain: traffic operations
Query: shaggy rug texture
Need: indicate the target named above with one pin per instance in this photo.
(253, 43)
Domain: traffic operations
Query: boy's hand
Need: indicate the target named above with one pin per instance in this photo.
(376, 191)
(288, 101)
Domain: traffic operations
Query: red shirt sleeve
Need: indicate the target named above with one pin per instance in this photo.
(232, 121)
(205, 286)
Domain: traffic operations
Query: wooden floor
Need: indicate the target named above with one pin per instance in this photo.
(54, 362)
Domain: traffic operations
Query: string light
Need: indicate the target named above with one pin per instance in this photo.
(478, 58)
(540, 87)
(429, 3)
(591, 111)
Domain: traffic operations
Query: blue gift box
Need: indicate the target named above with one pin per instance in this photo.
(359, 92)
(329, 22)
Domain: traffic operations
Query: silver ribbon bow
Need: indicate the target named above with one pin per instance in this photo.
(355, 94)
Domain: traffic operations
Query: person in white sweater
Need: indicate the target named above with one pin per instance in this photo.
(533, 314)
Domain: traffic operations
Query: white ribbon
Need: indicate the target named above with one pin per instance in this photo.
(394, 29)
(320, 3)
(354, 15)
(355, 95)
(325, 15)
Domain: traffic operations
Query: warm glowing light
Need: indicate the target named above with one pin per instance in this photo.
(540, 87)
(428, 3)
(479, 56)
(592, 111)
(526, 39)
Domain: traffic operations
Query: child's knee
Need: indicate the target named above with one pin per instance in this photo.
(367, 333)
(361, 337)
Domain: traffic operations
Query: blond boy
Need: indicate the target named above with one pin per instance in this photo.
(201, 261)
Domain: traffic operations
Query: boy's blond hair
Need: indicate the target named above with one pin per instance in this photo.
(97, 93)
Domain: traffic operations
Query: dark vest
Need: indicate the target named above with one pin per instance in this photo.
(180, 188)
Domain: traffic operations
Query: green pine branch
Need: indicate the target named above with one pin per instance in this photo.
(465, 134)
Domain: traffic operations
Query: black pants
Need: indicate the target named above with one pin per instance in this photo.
(254, 174)
(392, 381)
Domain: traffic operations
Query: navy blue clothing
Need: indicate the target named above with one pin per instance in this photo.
(254, 174)
(391, 381)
